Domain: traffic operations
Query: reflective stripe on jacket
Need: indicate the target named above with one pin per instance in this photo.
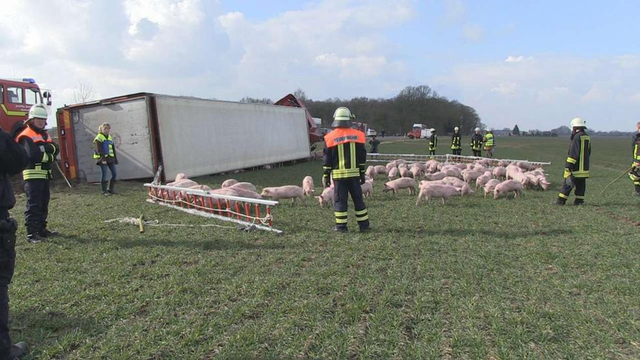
(41, 169)
(579, 154)
(105, 145)
(344, 154)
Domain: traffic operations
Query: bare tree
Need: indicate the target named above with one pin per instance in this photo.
(83, 92)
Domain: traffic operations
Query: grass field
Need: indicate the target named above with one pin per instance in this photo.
(475, 278)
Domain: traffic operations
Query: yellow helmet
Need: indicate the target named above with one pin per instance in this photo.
(342, 117)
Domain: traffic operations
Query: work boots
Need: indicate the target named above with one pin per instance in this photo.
(18, 350)
(36, 238)
(578, 202)
(637, 188)
(112, 183)
(340, 229)
(105, 188)
(561, 201)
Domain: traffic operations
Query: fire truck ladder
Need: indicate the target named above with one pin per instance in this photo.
(246, 211)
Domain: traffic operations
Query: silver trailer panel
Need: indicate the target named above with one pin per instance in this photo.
(201, 137)
(130, 131)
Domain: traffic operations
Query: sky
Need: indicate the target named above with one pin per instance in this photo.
(536, 64)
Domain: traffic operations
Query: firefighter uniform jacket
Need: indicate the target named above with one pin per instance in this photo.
(433, 142)
(577, 163)
(456, 141)
(13, 159)
(489, 141)
(344, 154)
(635, 145)
(41, 150)
(476, 142)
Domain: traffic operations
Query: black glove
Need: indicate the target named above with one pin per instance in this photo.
(362, 180)
(56, 149)
(49, 148)
(327, 181)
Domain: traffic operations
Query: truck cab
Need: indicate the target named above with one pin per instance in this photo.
(419, 131)
(16, 98)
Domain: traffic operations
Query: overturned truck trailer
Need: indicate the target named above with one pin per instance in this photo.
(183, 134)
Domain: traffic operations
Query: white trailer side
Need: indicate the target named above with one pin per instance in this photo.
(130, 131)
(201, 137)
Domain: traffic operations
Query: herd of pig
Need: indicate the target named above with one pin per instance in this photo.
(430, 180)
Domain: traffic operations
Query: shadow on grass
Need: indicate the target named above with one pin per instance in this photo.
(40, 328)
(203, 244)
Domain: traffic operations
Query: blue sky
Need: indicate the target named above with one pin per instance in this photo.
(536, 64)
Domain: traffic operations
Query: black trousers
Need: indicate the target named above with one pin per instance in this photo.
(432, 152)
(456, 151)
(38, 193)
(477, 152)
(7, 264)
(580, 184)
(341, 191)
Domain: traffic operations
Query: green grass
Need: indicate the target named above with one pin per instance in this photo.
(475, 278)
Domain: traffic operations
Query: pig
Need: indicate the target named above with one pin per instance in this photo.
(307, 185)
(437, 191)
(506, 187)
(490, 186)
(401, 183)
(460, 166)
(226, 192)
(523, 179)
(200, 187)
(432, 166)
(465, 190)
(453, 172)
(454, 181)
(393, 173)
(512, 170)
(390, 165)
(229, 182)
(503, 163)
(480, 181)
(181, 176)
(470, 175)
(434, 176)
(292, 192)
(423, 168)
(326, 197)
(415, 172)
(183, 183)
(371, 171)
(479, 168)
(381, 170)
(244, 185)
(525, 165)
(367, 189)
(499, 172)
(237, 191)
(404, 172)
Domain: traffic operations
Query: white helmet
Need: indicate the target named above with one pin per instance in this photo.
(477, 130)
(578, 122)
(37, 111)
(432, 129)
(456, 129)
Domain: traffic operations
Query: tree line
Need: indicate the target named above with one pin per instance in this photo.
(396, 115)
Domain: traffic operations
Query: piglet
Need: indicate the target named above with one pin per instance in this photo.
(506, 187)
(437, 191)
(326, 197)
(229, 182)
(401, 183)
(393, 173)
(244, 185)
(367, 188)
(490, 186)
(292, 192)
(307, 185)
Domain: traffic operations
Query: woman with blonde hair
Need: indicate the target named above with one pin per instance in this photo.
(105, 154)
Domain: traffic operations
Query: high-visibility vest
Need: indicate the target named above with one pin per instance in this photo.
(456, 142)
(579, 154)
(488, 140)
(40, 170)
(636, 148)
(476, 142)
(106, 142)
(344, 141)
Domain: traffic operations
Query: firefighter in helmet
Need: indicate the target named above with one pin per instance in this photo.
(576, 168)
(489, 142)
(433, 142)
(476, 142)
(344, 160)
(634, 174)
(42, 152)
(456, 142)
(374, 144)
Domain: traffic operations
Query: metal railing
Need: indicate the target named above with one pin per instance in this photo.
(446, 158)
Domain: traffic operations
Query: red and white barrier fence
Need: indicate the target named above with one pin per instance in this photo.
(251, 212)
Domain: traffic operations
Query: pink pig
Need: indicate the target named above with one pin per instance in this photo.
(401, 183)
(437, 191)
(326, 197)
(506, 187)
(229, 182)
(307, 185)
(292, 192)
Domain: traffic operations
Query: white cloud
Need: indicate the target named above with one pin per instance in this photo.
(517, 59)
(506, 88)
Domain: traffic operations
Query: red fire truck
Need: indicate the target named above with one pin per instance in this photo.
(16, 98)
